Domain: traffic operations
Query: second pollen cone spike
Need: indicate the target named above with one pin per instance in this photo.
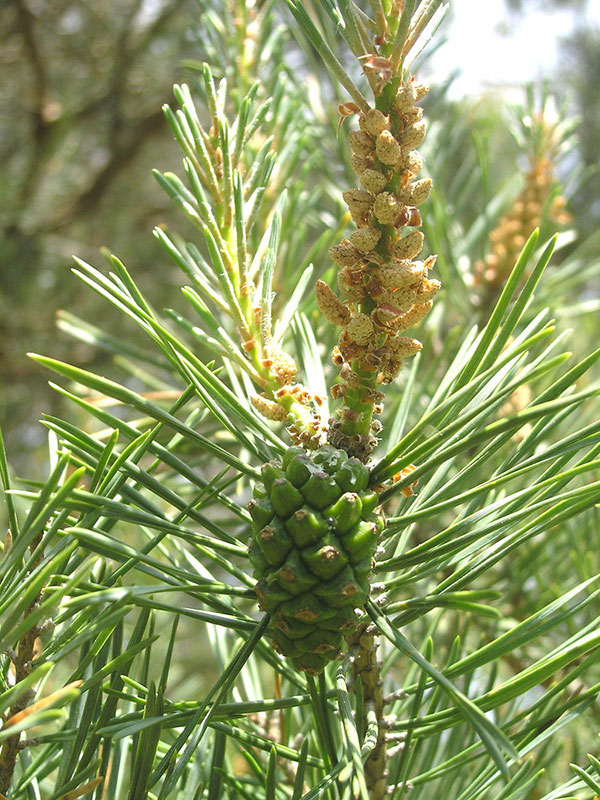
(539, 204)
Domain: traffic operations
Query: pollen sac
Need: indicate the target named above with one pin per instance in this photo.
(386, 208)
(312, 563)
(345, 254)
(269, 408)
(405, 97)
(404, 347)
(412, 162)
(421, 90)
(390, 370)
(400, 274)
(413, 115)
(351, 283)
(373, 181)
(365, 239)
(408, 246)
(416, 193)
(359, 202)
(428, 290)
(399, 300)
(359, 163)
(398, 349)
(330, 305)
(388, 149)
(375, 122)
(361, 143)
(412, 317)
(360, 329)
(413, 136)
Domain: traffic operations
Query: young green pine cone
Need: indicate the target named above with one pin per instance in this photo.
(314, 533)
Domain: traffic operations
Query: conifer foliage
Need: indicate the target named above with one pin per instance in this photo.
(224, 590)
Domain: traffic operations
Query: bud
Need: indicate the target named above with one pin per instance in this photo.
(330, 305)
(268, 408)
(388, 150)
(373, 181)
(283, 368)
(345, 254)
(365, 239)
(413, 136)
(361, 143)
(386, 208)
(375, 122)
(407, 246)
(360, 329)
(421, 90)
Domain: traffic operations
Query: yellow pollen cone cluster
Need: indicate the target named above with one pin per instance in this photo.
(528, 212)
(304, 423)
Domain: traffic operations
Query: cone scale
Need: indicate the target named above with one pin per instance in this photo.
(315, 527)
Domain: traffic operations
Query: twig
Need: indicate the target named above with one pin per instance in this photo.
(12, 746)
(366, 668)
(41, 123)
(22, 659)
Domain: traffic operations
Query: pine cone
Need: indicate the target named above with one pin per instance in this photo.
(315, 528)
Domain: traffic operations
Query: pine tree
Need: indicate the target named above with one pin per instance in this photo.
(224, 590)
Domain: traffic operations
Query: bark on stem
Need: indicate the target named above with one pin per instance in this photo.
(22, 661)
(366, 668)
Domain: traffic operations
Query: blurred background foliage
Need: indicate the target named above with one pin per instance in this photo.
(81, 128)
